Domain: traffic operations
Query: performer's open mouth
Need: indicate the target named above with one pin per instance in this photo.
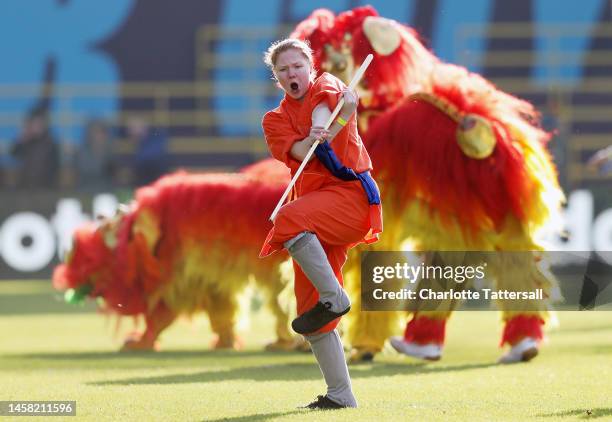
(294, 87)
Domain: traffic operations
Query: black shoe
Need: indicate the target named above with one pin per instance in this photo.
(323, 403)
(316, 318)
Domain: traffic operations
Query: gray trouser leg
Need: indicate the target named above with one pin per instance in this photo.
(329, 353)
(307, 251)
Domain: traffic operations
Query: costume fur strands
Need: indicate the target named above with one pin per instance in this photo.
(187, 243)
(461, 164)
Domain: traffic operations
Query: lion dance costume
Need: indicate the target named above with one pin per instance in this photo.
(462, 167)
(187, 243)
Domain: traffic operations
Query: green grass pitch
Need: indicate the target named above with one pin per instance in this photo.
(53, 351)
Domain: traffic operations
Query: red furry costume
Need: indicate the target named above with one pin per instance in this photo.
(168, 254)
(440, 138)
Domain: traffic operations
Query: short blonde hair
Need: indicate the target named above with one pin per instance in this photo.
(278, 47)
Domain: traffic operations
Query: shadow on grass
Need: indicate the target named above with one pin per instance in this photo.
(587, 329)
(256, 417)
(152, 355)
(582, 413)
(291, 371)
(141, 360)
(591, 349)
(598, 349)
(41, 303)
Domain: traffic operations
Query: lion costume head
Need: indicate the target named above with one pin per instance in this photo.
(401, 65)
(175, 237)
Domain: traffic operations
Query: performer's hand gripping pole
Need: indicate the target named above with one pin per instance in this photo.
(331, 119)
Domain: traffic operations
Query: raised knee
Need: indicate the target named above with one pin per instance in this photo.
(313, 338)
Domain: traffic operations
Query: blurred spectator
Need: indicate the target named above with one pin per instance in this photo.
(150, 157)
(37, 152)
(94, 159)
(8, 166)
(554, 121)
(4, 159)
(602, 160)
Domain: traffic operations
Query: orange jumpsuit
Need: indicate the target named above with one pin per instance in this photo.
(337, 211)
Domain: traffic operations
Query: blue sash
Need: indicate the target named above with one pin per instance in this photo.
(328, 157)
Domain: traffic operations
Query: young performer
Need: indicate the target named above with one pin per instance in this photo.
(335, 203)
